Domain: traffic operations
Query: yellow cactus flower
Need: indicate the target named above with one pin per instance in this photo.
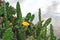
(10, 23)
(25, 24)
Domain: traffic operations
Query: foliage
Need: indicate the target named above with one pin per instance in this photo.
(13, 29)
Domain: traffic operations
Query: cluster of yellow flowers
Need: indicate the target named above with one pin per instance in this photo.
(23, 23)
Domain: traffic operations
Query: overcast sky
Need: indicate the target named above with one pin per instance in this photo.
(32, 5)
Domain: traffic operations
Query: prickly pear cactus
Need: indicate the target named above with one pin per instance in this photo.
(21, 28)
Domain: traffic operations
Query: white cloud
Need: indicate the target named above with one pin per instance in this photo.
(31, 5)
